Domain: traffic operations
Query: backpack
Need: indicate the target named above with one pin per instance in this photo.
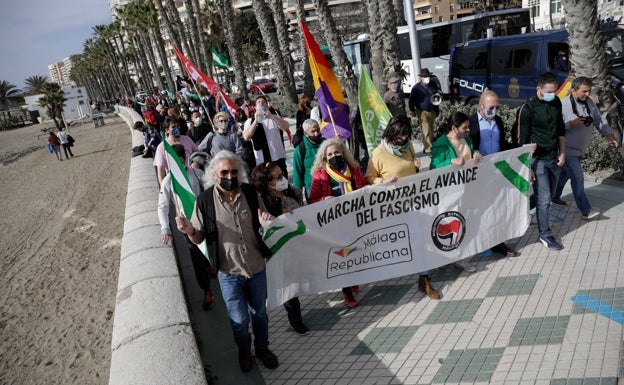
(515, 130)
(150, 117)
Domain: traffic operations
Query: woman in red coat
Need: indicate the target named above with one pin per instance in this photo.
(334, 173)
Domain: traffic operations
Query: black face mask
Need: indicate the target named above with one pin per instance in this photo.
(315, 139)
(228, 184)
(337, 162)
(400, 142)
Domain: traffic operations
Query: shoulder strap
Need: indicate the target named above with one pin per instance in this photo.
(302, 150)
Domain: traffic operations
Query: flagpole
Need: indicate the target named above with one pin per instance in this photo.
(331, 117)
(200, 99)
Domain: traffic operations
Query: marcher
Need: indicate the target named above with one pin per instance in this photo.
(63, 137)
(304, 155)
(487, 132)
(303, 113)
(199, 129)
(542, 124)
(581, 116)
(151, 138)
(334, 173)
(421, 106)
(173, 136)
(267, 142)
(224, 138)
(238, 252)
(395, 158)
(277, 197)
(455, 148)
(201, 266)
(393, 97)
(56, 145)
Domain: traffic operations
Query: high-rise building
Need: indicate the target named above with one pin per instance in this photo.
(434, 11)
(548, 14)
(60, 72)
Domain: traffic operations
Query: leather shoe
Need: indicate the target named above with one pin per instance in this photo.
(424, 285)
(267, 357)
(507, 251)
(245, 360)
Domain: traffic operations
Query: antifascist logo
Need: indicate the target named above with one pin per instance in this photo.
(448, 230)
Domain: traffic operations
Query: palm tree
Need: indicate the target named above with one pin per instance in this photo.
(277, 7)
(308, 83)
(8, 93)
(588, 54)
(54, 101)
(267, 29)
(376, 43)
(233, 38)
(35, 84)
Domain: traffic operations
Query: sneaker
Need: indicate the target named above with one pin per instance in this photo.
(559, 202)
(245, 360)
(349, 300)
(463, 264)
(532, 211)
(591, 215)
(208, 301)
(300, 328)
(267, 357)
(550, 243)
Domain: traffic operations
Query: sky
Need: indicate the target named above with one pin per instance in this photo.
(37, 33)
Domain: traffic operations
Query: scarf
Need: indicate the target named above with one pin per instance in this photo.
(344, 179)
(396, 150)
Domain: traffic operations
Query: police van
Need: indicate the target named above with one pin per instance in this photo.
(510, 65)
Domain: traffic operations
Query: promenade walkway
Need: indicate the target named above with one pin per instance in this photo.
(546, 317)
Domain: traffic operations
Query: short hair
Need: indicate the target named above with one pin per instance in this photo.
(179, 150)
(169, 120)
(309, 123)
(547, 78)
(209, 180)
(581, 81)
(262, 97)
(139, 125)
(398, 125)
(173, 111)
(320, 160)
(487, 94)
(220, 114)
(456, 119)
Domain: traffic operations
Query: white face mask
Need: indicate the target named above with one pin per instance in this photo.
(282, 184)
(426, 80)
(198, 121)
(222, 126)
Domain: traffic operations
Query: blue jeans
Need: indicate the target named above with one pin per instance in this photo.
(546, 175)
(573, 170)
(243, 295)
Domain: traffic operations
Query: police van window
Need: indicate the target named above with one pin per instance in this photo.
(471, 61)
(558, 59)
(404, 47)
(514, 60)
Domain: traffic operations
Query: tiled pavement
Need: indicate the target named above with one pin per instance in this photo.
(546, 317)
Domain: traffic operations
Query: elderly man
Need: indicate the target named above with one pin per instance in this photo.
(487, 132)
(421, 106)
(305, 153)
(581, 116)
(229, 219)
(394, 97)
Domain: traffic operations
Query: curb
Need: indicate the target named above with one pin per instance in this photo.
(152, 340)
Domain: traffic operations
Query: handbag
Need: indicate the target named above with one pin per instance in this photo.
(70, 140)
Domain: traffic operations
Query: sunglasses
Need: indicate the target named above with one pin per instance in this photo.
(224, 173)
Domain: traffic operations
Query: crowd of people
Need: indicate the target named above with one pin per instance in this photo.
(237, 166)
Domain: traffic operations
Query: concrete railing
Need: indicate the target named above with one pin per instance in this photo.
(152, 342)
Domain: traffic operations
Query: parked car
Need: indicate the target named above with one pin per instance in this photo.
(262, 85)
(298, 85)
(141, 95)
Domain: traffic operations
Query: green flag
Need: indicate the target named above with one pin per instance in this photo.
(219, 61)
(373, 111)
(182, 190)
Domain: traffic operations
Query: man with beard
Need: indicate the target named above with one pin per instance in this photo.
(230, 220)
(222, 138)
(581, 116)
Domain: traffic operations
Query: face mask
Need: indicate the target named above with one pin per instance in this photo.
(337, 162)
(315, 139)
(489, 113)
(176, 132)
(282, 184)
(400, 142)
(222, 127)
(198, 121)
(426, 80)
(461, 135)
(395, 87)
(549, 96)
(228, 184)
(201, 110)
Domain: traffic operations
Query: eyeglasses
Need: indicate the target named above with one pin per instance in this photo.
(493, 108)
(221, 121)
(224, 173)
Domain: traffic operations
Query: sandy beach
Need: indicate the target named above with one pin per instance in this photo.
(62, 224)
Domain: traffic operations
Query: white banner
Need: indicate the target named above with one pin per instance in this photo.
(385, 231)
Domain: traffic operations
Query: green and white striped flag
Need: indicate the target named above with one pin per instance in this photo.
(182, 190)
(219, 61)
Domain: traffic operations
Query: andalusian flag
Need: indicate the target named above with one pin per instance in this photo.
(196, 74)
(181, 187)
(374, 113)
(219, 61)
(332, 104)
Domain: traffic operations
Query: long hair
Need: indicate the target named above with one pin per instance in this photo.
(321, 159)
(456, 119)
(208, 180)
(261, 176)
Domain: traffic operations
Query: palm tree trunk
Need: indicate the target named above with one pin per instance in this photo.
(173, 33)
(334, 40)
(206, 56)
(233, 39)
(277, 7)
(267, 29)
(308, 82)
(392, 60)
(151, 43)
(376, 44)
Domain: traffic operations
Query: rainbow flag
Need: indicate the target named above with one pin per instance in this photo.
(332, 104)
